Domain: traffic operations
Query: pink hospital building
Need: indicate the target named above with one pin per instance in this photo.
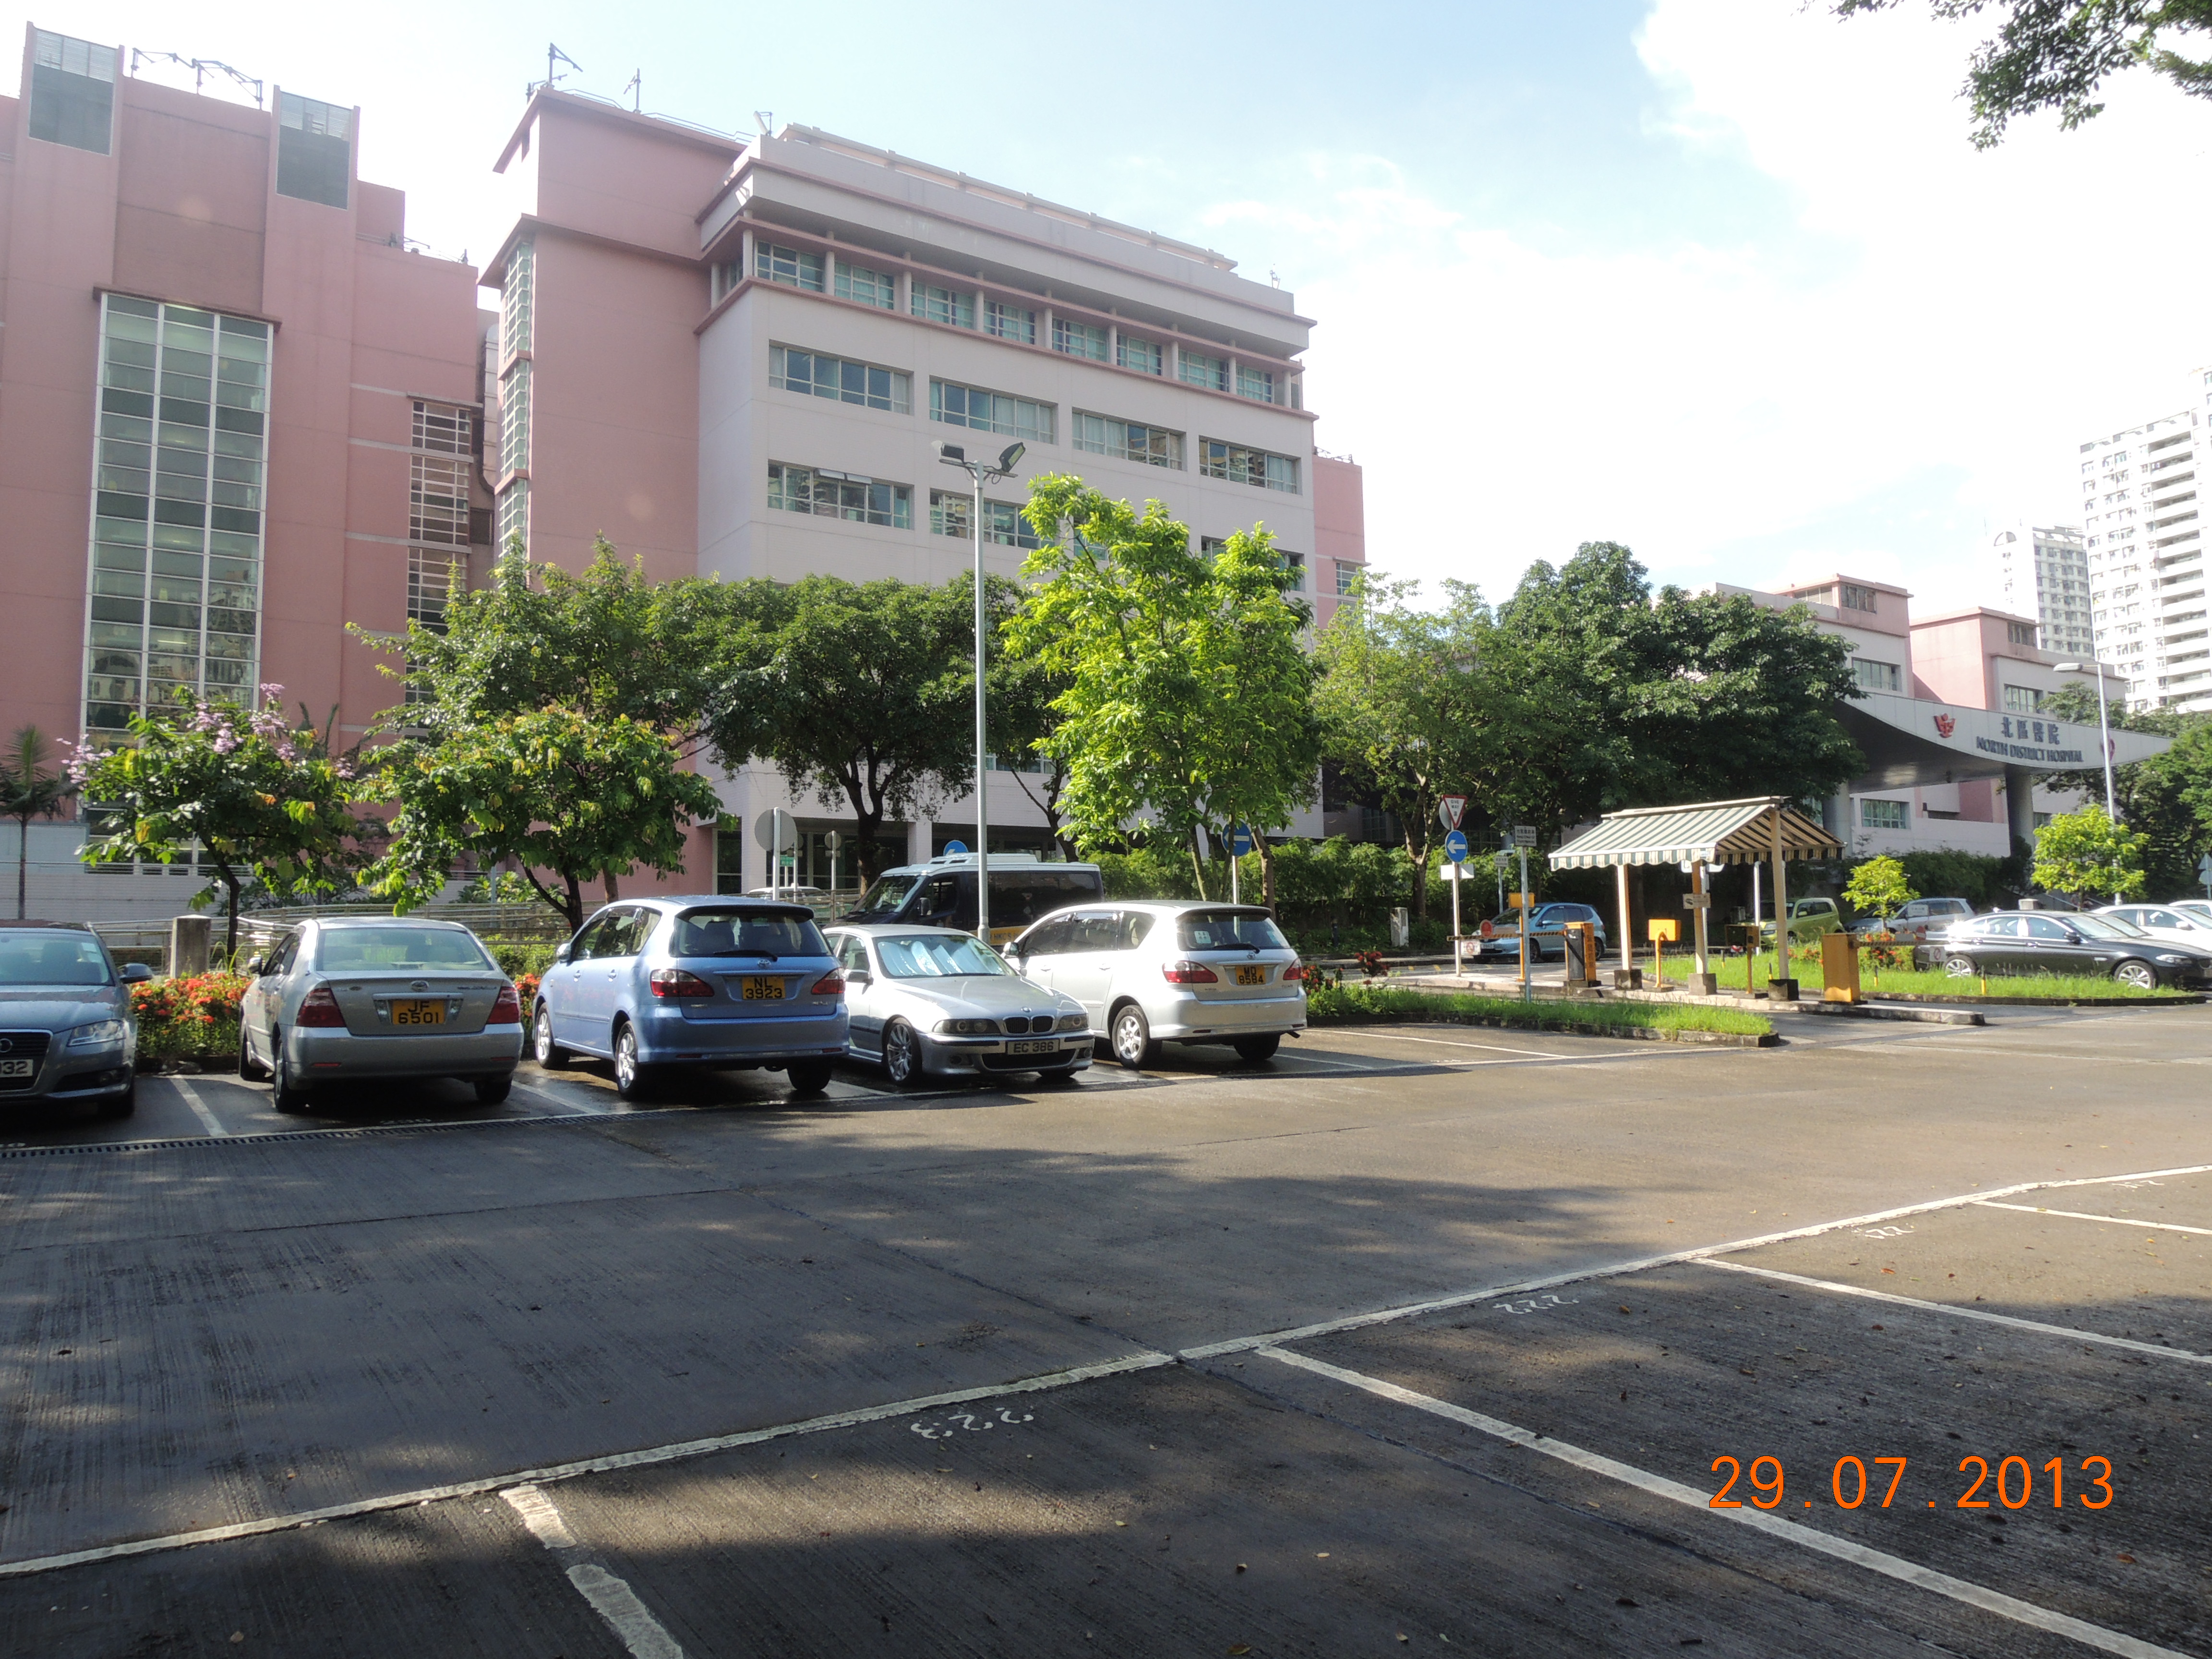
(239, 412)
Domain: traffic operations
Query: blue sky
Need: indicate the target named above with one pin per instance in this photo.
(1721, 279)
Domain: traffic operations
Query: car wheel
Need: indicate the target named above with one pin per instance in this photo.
(902, 1053)
(285, 1095)
(1258, 1048)
(1959, 966)
(633, 1080)
(2140, 975)
(1131, 1037)
(808, 1076)
(123, 1104)
(248, 1067)
(490, 1091)
(547, 1053)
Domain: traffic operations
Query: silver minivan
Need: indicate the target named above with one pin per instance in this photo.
(1151, 973)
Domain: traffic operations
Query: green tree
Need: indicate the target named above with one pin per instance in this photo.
(259, 797)
(1412, 708)
(2168, 797)
(2055, 54)
(28, 789)
(578, 796)
(864, 693)
(2085, 853)
(1024, 714)
(570, 695)
(1879, 887)
(1656, 700)
(1188, 702)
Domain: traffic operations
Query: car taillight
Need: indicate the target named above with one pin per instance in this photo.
(831, 984)
(679, 982)
(1293, 972)
(319, 1008)
(507, 1007)
(1190, 973)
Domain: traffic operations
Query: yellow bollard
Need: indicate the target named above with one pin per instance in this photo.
(1839, 968)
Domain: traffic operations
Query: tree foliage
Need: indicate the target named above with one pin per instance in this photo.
(2168, 798)
(1188, 698)
(2056, 54)
(2085, 853)
(258, 796)
(864, 694)
(1879, 887)
(29, 789)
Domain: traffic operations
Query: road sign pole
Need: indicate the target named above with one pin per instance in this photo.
(1525, 896)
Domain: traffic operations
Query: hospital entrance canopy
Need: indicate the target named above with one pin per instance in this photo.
(1748, 831)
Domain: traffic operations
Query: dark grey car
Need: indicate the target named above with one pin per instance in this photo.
(67, 1029)
(2037, 942)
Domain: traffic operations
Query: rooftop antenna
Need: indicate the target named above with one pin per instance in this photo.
(1274, 277)
(636, 89)
(766, 120)
(199, 67)
(553, 55)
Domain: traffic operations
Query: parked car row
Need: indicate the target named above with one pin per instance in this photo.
(2101, 943)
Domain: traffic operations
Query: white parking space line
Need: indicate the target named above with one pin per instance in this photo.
(1452, 1043)
(1950, 1310)
(611, 1598)
(209, 1121)
(2115, 1220)
(644, 1457)
(1791, 1532)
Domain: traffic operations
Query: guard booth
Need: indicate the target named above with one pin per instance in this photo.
(1697, 839)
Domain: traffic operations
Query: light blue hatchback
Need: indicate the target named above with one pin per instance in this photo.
(661, 984)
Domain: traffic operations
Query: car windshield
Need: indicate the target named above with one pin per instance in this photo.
(886, 895)
(2107, 927)
(1231, 930)
(939, 955)
(52, 958)
(745, 933)
(399, 950)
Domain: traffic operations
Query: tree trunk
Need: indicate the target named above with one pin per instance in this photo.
(614, 887)
(575, 902)
(1418, 852)
(571, 910)
(230, 881)
(1197, 869)
(1267, 873)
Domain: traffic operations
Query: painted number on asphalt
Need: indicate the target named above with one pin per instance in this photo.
(1537, 1304)
(954, 1423)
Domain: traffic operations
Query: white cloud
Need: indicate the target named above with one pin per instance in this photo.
(1913, 349)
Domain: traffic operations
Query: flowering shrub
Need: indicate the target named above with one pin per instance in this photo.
(188, 1017)
(525, 987)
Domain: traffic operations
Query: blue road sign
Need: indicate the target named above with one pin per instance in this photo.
(1240, 840)
(956, 846)
(1455, 847)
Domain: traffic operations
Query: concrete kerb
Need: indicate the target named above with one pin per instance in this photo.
(1536, 1022)
(1746, 1005)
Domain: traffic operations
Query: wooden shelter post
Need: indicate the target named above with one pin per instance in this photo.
(1628, 944)
(1781, 900)
(1697, 912)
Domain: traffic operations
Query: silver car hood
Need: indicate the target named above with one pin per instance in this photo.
(52, 1008)
(990, 997)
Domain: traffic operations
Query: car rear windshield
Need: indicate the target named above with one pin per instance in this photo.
(939, 955)
(398, 951)
(44, 958)
(1231, 930)
(745, 933)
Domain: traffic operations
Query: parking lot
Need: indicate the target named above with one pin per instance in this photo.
(1418, 1338)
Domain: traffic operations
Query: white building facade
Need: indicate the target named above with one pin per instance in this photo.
(2142, 537)
(2043, 571)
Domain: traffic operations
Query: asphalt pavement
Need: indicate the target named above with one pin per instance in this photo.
(1416, 1338)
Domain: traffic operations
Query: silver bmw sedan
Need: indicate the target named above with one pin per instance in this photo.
(934, 999)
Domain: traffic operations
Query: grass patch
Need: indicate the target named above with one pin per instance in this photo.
(1915, 982)
(1342, 1004)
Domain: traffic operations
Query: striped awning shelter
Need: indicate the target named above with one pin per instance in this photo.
(1710, 832)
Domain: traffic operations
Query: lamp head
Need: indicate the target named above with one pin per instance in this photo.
(951, 454)
(1010, 456)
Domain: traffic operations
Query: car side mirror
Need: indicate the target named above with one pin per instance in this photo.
(136, 973)
(560, 951)
(257, 967)
(859, 976)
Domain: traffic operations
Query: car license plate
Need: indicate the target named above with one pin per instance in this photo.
(1032, 1047)
(17, 1067)
(761, 990)
(428, 1011)
(1251, 975)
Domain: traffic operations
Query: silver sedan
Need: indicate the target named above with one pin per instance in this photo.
(930, 999)
(341, 1000)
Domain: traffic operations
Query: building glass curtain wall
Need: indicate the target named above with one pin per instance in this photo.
(515, 298)
(177, 509)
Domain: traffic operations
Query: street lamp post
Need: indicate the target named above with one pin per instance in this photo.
(2104, 735)
(978, 472)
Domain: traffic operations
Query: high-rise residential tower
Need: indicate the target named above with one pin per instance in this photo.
(2141, 535)
(2044, 572)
